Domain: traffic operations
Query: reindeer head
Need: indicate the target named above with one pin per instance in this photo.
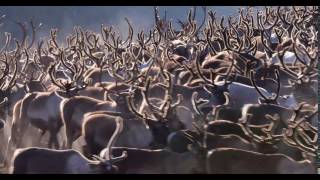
(106, 160)
(265, 99)
(75, 81)
(166, 119)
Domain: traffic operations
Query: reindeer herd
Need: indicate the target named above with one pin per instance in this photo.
(235, 94)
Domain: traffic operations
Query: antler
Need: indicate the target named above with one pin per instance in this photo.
(296, 132)
(34, 30)
(7, 86)
(56, 82)
(8, 39)
(197, 103)
(166, 105)
(203, 20)
(76, 76)
(267, 100)
(246, 127)
(293, 136)
(197, 61)
(24, 32)
(271, 130)
(130, 36)
(5, 72)
(4, 101)
(106, 154)
(130, 104)
(141, 39)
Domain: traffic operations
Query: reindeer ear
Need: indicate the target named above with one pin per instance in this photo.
(192, 148)
(205, 87)
(124, 93)
(274, 117)
(299, 81)
(260, 100)
(113, 96)
(26, 88)
(291, 82)
(97, 158)
(3, 101)
(105, 96)
(307, 79)
(227, 97)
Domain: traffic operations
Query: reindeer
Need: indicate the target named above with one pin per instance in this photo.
(238, 161)
(267, 105)
(179, 141)
(96, 132)
(248, 96)
(224, 127)
(47, 118)
(159, 161)
(273, 140)
(73, 110)
(27, 113)
(188, 92)
(8, 83)
(166, 118)
(67, 161)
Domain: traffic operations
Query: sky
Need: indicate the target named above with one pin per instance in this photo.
(91, 17)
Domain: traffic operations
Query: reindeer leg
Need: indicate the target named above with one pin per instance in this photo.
(50, 142)
(14, 142)
(42, 133)
(55, 141)
(69, 139)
